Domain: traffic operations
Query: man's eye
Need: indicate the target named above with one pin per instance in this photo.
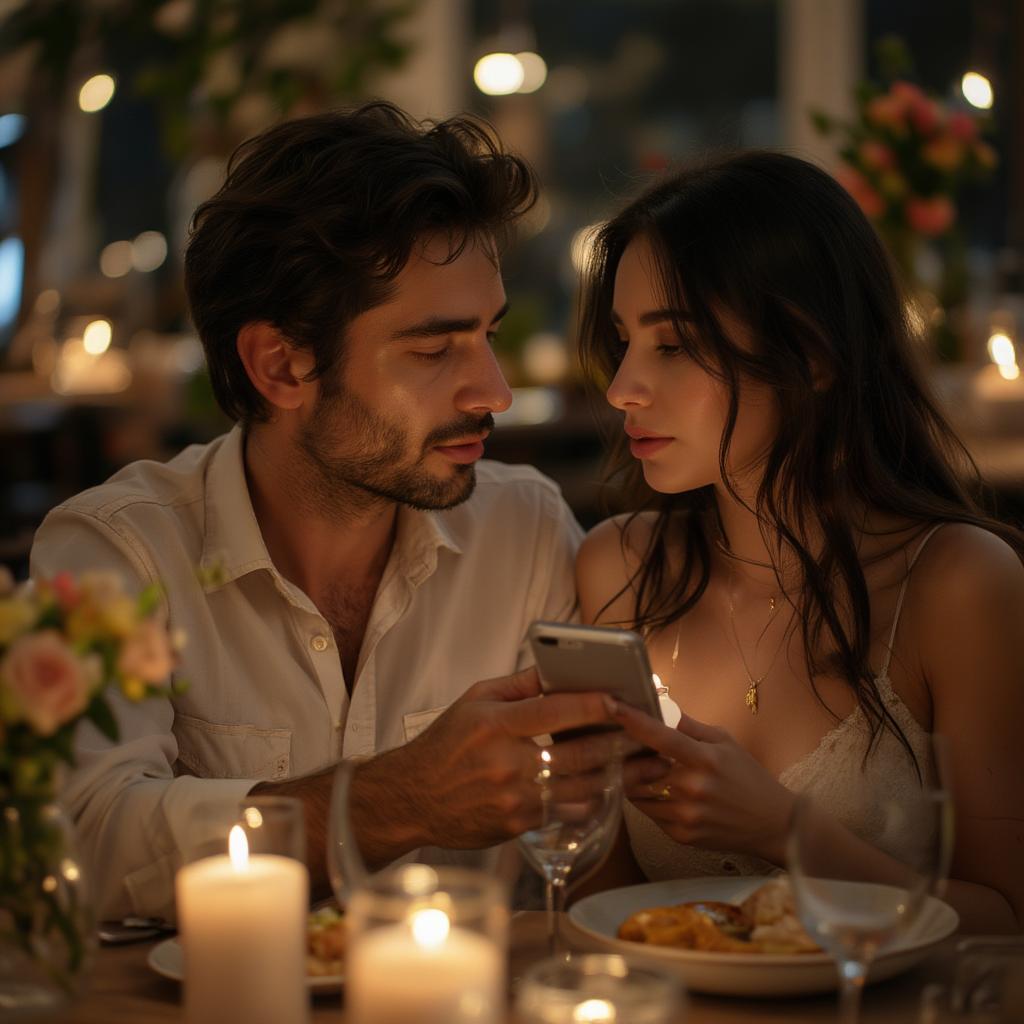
(438, 353)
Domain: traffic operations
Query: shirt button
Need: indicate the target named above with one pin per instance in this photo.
(319, 642)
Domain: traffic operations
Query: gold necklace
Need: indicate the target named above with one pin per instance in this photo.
(751, 697)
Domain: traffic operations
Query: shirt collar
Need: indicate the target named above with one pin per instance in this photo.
(233, 544)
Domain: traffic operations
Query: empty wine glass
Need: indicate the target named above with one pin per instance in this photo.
(851, 916)
(580, 814)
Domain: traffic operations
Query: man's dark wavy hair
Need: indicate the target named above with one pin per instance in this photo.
(318, 216)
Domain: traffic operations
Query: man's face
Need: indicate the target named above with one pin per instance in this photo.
(405, 417)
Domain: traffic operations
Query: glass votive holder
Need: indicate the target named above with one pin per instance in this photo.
(274, 824)
(598, 989)
(427, 944)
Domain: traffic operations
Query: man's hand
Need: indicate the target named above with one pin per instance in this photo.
(469, 780)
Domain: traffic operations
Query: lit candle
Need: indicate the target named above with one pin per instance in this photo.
(243, 933)
(425, 971)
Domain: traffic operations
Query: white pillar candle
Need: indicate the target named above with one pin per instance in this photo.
(243, 934)
(425, 972)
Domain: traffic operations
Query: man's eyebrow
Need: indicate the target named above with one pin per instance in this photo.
(436, 326)
(655, 316)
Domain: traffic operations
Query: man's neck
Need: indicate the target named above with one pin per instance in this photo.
(312, 550)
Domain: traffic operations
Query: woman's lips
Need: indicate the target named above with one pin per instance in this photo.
(645, 447)
(462, 453)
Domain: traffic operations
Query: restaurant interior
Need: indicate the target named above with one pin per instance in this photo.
(117, 119)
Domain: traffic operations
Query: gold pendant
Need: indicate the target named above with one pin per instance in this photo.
(751, 699)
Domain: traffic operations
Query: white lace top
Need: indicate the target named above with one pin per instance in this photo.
(831, 773)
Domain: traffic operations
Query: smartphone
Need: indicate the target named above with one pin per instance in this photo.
(575, 659)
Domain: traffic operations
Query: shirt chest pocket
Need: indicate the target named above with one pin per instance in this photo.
(214, 751)
(416, 721)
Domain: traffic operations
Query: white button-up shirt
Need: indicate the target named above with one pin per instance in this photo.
(266, 696)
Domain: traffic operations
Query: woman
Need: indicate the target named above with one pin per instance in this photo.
(810, 572)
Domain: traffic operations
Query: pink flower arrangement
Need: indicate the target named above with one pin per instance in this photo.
(63, 642)
(906, 155)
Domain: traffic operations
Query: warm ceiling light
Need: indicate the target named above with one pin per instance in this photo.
(149, 250)
(977, 90)
(116, 259)
(498, 74)
(96, 93)
(535, 71)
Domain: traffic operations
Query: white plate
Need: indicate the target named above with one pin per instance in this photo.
(748, 974)
(167, 958)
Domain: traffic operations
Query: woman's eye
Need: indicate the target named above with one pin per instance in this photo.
(671, 350)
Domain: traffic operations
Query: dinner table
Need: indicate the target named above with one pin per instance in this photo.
(124, 988)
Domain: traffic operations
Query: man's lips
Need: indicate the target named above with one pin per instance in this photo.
(463, 451)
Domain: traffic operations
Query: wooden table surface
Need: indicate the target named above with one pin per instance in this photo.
(123, 988)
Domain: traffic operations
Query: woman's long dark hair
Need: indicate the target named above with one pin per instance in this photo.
(783, 248)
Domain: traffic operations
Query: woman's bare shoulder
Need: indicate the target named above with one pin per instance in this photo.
(608, 559)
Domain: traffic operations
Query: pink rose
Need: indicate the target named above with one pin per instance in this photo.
(66, 590)
(926, 116)
(45, 684)
(906, 94)
(877, 155)
(930, 216)
(147, 654)
(962, 126)
(858, 186)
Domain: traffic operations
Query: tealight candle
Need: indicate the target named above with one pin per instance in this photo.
(427, 945)
(243, 934)
(425, 971)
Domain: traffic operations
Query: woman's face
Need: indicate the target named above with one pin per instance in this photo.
(675, 411)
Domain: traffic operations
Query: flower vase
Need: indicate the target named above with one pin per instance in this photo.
(47, 926)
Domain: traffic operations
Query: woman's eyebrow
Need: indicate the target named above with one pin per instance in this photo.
(655, 316)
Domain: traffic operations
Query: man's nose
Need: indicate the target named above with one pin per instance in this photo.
(485, 389)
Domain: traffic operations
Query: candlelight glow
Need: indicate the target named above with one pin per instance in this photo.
(977, 90)
(1011, 371)
(593, 1010)
(430, 927)
(238, 848)
(535, 71)
(253, 818)
(96, 93)
(96, 337)
(1001, 350)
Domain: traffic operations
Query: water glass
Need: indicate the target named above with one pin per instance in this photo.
(597, 988)
(427, 944)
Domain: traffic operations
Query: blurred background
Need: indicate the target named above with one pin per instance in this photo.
(117, 117)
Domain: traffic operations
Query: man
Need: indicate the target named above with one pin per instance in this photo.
(343, 567)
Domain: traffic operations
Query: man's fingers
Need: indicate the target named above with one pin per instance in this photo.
(556, 712)
(518, 686)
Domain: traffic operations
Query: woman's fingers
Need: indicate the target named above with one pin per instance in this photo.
(671, 743)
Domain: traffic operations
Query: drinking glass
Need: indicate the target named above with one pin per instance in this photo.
(580, 815)
(598, 988)
(851, 917)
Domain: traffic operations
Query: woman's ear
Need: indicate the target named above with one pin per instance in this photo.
(278, 370)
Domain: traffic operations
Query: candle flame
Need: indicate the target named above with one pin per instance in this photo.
(430, 927)
(238, 848)
(593, 1010)
(1001, 349)
(1009, 372)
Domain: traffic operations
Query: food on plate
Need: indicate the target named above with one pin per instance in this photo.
(325, 943)
(765, 922)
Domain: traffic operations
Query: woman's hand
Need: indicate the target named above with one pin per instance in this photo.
(716, 795)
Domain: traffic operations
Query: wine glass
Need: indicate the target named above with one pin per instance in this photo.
(854, 905)
(580, 814)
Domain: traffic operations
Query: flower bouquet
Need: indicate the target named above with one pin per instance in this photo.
(905, 158)
(64, 643)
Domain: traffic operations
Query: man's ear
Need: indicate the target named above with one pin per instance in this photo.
(278, 370)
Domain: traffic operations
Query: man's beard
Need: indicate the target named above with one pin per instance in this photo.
(373, 468)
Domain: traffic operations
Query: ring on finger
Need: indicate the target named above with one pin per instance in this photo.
(662, 792)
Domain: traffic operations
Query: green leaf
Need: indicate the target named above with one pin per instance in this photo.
(102, 717)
